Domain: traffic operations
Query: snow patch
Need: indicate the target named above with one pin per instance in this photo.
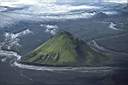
(12, 39)
(52, 29)
(9, 55)
(3, 59)
(110, 12)
(2, 9)
(113, 26)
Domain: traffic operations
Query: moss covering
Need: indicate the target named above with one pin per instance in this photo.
(65, 50)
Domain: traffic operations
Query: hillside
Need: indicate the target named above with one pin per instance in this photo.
(65, 50)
